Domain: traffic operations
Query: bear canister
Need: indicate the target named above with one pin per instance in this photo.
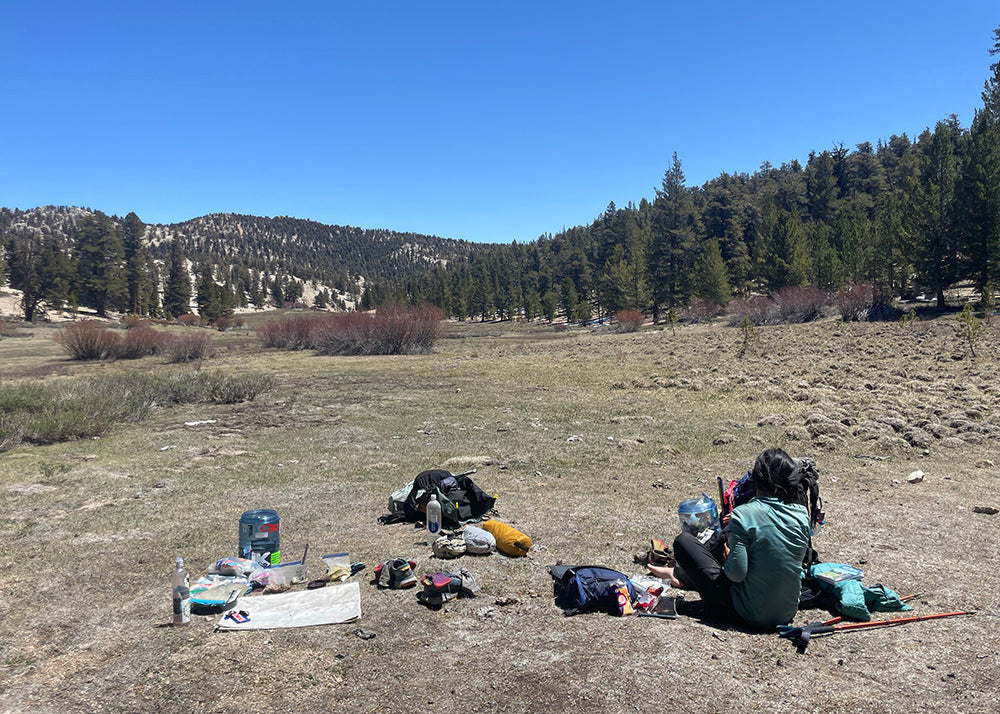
(260, 536)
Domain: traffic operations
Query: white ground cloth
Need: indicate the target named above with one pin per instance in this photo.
(331, 605)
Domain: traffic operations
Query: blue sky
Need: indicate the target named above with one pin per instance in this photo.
(482, 121)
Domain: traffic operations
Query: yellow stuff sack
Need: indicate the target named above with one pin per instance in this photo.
(509, 539)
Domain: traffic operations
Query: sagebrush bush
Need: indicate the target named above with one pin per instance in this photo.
(222, 389)
(39, 414)
(628, 320)
(88, 339)
(755, 308)
(188, 348)
(798, 304)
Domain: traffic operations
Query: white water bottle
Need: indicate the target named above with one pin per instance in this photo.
(433, 517)
(182, 595)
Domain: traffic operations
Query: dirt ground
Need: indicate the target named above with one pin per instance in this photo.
(591, 439)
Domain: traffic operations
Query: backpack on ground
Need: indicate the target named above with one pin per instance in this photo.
(462, 501)
(589, 588)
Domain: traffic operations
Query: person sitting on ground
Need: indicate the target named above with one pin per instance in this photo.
(753, 575)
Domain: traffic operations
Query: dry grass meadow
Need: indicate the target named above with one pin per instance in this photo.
(591, 439)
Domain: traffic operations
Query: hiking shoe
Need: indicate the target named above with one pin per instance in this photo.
(401, 574)
(395, 574)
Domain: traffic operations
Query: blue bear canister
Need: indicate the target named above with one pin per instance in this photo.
(697, 514)
(260, 536)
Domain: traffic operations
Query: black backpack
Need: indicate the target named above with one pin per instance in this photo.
(808, 492)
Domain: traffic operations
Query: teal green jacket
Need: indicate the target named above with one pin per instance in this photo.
(768, 539)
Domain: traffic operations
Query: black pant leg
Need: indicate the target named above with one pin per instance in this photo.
(704, 570)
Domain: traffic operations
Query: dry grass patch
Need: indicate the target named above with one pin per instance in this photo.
(590, 439)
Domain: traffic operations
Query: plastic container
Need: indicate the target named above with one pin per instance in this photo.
(260, 536)
(697, 514)
(182, 594)
(433, 516)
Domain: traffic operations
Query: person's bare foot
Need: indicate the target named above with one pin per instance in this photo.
(665, 573)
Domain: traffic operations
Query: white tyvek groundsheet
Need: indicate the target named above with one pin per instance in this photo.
(331, 605)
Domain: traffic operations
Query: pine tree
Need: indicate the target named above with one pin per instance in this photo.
(674, 229)
(710, 279)
(980, 185)
(100, 264)
(42, 272)
(177, 294)
(208, 294)
(780, 250)
(133, 230)
(934, 215)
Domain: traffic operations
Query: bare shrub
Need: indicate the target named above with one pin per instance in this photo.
(348, 333)
(131, 321)
(755, 308)
(699, 310)
(405, 330)
(292, 333)
(391, 330)
(190, 320)
(798, 304)
(856, 302)
(88, 339)
(188, 348)
(140, 341)
(628, 320)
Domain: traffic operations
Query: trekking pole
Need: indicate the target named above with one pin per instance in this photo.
(802, 635)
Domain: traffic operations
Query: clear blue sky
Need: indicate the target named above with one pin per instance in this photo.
(484, 121)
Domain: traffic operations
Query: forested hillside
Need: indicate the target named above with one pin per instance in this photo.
(906, 215)
(69, 256)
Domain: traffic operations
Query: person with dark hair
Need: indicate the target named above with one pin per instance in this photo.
(751, 574)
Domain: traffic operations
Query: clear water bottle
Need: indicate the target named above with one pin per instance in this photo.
(182, 594)
(433, 517)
